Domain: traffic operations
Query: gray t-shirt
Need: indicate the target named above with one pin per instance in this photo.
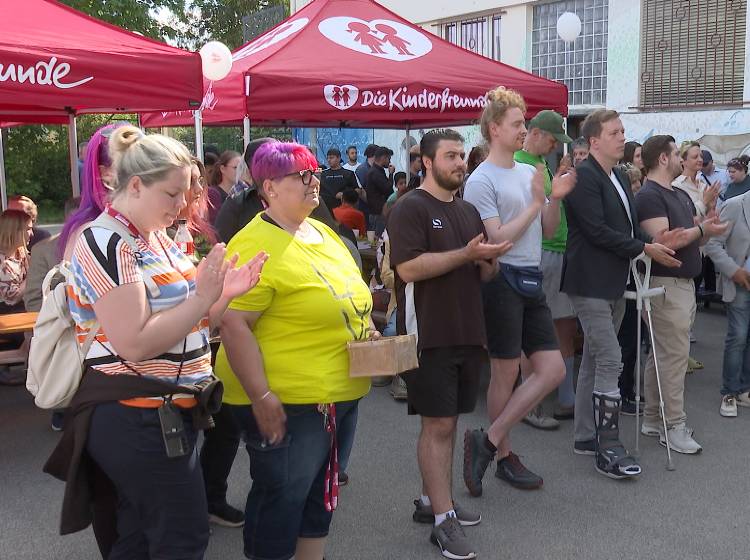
(503, 193)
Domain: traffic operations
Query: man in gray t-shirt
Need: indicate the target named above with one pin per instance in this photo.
(511, 201)
(499, 192)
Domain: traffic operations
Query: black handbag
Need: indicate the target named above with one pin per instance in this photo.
(526, 281)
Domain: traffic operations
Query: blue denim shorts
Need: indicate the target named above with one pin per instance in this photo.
(286, 498)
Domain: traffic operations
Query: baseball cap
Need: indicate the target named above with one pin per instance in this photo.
(552, 122)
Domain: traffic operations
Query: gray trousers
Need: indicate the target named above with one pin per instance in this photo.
(602, 359)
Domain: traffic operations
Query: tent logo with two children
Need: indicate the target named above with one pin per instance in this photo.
(382, 38)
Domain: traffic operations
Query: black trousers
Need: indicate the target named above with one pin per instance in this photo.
(628, 338)
(217, 455)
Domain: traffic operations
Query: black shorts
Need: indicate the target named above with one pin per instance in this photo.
(514, 322)
(446, 383)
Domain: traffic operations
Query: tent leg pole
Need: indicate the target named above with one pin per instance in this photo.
(73, 151)
(246, 131)
(408, 155)
(565, 130)
(3, 184)
(198, 135)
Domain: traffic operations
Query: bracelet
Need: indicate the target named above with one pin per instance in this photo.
(700, 228)
(265, 395)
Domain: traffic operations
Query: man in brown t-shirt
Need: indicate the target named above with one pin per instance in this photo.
(440, 257)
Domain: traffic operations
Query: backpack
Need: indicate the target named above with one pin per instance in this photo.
(55, 364)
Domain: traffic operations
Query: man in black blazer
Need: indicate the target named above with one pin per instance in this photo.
(603, 236)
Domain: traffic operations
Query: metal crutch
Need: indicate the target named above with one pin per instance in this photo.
(642, 296)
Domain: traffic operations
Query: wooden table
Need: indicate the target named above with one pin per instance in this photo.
(18, 322)
(369, 261)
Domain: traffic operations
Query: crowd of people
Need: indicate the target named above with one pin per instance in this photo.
(244, 336)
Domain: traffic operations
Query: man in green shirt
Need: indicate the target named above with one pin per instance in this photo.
(545, 130)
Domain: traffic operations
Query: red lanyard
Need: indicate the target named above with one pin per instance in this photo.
(134, 230)
(331, 484)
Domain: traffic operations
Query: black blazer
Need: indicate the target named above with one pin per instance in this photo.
(600, 245)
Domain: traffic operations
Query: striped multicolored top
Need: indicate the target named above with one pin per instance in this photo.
(102, 261)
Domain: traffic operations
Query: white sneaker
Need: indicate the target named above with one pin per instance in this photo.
(652, 429)
(681, 439)
(743, 399)
(728, 406)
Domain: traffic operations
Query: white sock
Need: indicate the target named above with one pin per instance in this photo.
(425, 500)
(440, 517)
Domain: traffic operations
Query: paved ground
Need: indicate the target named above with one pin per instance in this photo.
(699, 511)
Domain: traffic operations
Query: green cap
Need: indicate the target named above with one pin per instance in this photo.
(552, 122)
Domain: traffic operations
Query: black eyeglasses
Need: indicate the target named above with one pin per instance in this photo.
(305, 174)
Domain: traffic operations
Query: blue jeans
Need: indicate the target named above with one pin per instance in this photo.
(736, 367)
(390, 328)
(286, 498)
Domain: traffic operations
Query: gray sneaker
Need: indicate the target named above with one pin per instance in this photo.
(537, 419)
(424, 514)
(681, 440)
(451, 539)
(398, 389)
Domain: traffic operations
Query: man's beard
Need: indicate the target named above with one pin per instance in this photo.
(446, 180)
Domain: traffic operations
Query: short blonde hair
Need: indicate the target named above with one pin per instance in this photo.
(150, 157)
(499, 100)
(686, 146)
(634, 174)
(13, 225)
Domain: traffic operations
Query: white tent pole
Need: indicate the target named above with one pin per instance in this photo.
(3, 185)
(198, 135)
(73, 151)
(246, 131)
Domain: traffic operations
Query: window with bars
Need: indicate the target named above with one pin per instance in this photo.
(478, 34)
(692, 52)
(581, 65)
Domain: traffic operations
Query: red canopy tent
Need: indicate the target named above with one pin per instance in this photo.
(380, 71)
(56, 62)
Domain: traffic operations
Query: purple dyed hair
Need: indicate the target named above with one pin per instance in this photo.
(273, 160)
(93, 192)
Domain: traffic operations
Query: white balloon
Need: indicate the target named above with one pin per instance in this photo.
(217, 60)
(569, 27)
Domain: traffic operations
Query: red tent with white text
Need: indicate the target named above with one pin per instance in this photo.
(56, 61)
(354, 63)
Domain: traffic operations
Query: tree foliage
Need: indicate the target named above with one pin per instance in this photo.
(36, 158)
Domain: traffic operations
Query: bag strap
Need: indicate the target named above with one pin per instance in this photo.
(106, 221)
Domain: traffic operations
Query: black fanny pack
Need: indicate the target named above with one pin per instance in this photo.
(525, 280)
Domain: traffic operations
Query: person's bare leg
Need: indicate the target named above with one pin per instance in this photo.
(502, 380)
(548, 371)
(310, 549)
(435, 457)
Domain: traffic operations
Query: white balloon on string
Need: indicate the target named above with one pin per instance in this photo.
(217, 60)
(569, 27)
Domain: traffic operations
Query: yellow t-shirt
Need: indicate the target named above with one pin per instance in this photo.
(313, 301)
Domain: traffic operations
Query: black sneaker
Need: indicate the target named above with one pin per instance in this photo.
(226, 516)
(449, 536)
(476, 460)
(58, 419)
(586, 447)
(628, 408)
(511, 470)
(424, 514)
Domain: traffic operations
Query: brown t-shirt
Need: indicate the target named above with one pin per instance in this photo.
(445, 310)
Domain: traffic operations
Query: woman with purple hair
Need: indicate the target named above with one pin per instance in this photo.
(94, 190)
(284, 360)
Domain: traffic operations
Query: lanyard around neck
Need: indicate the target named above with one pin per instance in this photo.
(117, 215)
